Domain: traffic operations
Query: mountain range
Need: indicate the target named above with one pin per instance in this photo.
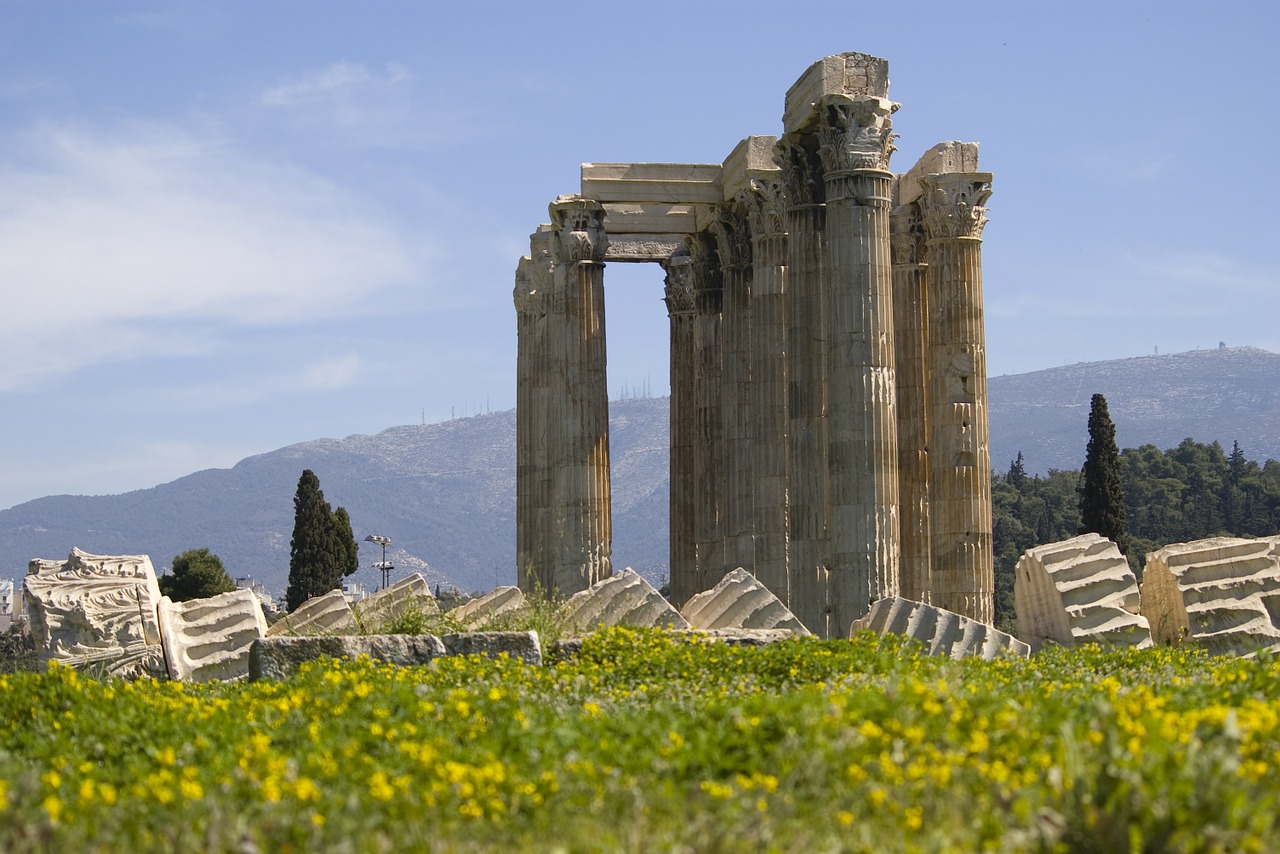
(445, 493)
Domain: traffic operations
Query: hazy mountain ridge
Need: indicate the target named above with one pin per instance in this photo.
(445, 492)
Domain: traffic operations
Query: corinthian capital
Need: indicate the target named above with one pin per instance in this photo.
(800, 171)
(733, 239)
(765, 204)
(578, 228)
(951, 204)
(679, 284)
(906, 236)
(855, 133)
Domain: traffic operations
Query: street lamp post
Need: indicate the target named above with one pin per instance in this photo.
(383, 564)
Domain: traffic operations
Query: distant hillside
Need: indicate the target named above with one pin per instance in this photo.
(445, 493)
(1225, 395)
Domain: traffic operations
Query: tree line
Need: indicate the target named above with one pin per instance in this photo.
(1189, 492)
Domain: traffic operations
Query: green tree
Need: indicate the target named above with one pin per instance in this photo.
(197, 574)
(1101, 490)
(323, 549)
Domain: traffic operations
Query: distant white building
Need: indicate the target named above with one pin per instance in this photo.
(6, 604)
(269, 604)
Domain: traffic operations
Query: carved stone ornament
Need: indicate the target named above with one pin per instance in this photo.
(855, 133)
(704, 263)
(679, 286)
(765, 204)
(733, 238)
(800, 178)
(952, 204)
(579, 230)
(906, 236)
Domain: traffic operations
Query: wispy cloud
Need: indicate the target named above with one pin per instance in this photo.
(104, 233)
(339, 81)
(242, 388)
(374, 104)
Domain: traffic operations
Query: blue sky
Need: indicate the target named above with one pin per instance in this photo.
(226, 226)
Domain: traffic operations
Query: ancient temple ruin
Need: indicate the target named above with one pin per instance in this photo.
(828, 368)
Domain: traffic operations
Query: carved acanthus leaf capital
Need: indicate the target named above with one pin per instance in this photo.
(855, 133)
(733, 238)
(801, 173)
(679, 284)
(906, 236)
(765, 203)
(952, 204)
(578, 228)
(704, 263)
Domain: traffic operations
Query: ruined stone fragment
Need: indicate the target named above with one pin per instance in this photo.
(625, 599)
(941, 632)
(1079, 590)
(378, 611)
(320, 615)
(209, 639)
(97, 610)
(280, 657)
(1221, 592)
(522, 645)
(480, 612)
(740, 601)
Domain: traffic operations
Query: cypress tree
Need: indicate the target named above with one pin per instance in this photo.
(1101, 491)
(323, 549)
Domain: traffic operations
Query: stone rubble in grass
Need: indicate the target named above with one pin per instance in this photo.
(1222, 593)
(329, 614)
(208, 639)
(482, 611)
(941, 632)
(740, 601)
(625, 599)
(381, 609)
(1079, 590)
(97, 610)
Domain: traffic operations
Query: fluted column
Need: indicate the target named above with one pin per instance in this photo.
(856, 140)
(708, 396)
(765, 210)
(910, 334)
(533, 414)
(806, 382)
(578, 422)
(733, 247)
(680, 309)
(959, 437)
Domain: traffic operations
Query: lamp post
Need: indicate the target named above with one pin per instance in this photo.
(382, 565)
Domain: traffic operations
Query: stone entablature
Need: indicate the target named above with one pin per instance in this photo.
(805, 446)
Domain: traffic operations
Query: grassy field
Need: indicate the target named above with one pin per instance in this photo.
(646, 742)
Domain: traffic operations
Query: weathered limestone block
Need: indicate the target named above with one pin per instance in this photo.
(625, 599)
(522, 645)
(97, 609)
(377, 612)
(480, 612)
(280, 657)
(209, 639)
(320, 615)
(942, 632)
(740, 601)
(1222, 592)
(1079, 590)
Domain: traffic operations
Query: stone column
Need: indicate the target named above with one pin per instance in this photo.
(959, 440)
(910, 336)
(680, 309)
(856, 141)
(579, 420)
(806, 381)
(733, 248)
(533, 418)
(708, 392)
(766, 210)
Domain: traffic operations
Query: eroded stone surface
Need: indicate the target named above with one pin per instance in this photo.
(97, 609)
(522, 645)
(625, 599)
(1221, 592)
(280, 657)
(377, 612)
(320, 615)
(1079, 590)
(740, 601)
(482, 611)
(941, 632)
(209, 639)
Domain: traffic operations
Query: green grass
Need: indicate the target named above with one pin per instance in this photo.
(649, 741)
